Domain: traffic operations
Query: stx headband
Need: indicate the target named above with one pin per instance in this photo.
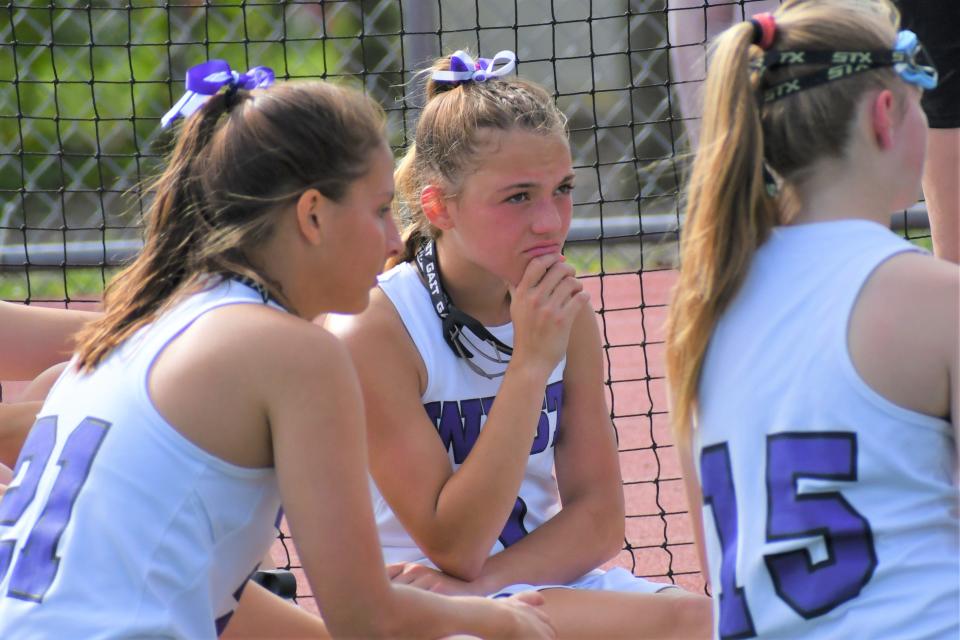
(908, 59)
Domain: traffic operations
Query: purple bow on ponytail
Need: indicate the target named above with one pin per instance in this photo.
(206, 79)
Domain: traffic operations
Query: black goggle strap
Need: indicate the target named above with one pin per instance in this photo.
(259, 288)
(454, 320)
(839, 64)
(458, 339)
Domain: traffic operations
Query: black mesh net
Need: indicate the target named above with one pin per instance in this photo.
(84, 86)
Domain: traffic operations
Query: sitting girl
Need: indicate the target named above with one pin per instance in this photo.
(813, 353)
(481, 368)
(146, 492)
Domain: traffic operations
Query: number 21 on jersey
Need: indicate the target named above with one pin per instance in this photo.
(809, 589)
(37, 563)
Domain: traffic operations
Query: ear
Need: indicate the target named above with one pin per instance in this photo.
(309, 210)
(434, 206)
(882, 118)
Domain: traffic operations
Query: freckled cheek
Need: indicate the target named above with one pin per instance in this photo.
(501, 254)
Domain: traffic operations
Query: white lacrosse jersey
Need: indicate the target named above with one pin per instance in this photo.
(828, 511)
(457, 401)
(115, 525)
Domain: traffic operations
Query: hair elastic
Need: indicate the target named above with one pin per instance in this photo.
(204, 80)
(769, 181)
(764, 30)
(463, 68)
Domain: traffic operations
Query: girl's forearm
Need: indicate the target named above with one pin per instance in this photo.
(577, 540)
(477, 499)
(35, 338)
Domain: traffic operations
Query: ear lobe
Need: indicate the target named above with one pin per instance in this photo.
(434, 207)
(309, 210)
(882, 119)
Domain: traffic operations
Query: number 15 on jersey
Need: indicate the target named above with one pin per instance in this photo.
(810, 589)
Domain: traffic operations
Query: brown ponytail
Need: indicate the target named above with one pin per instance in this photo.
(237, 163)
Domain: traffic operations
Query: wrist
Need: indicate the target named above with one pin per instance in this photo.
(486, 584)
(490, 580)
(533, 371)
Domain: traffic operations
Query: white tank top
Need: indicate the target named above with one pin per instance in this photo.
(115, 524)
(457, 401)
(829, 512)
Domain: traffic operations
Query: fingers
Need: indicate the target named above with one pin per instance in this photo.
(407, 575)
(554, 284)
(412, 575)
(405, 578)
(564, 290)
(543, 308)
(394, 569)
(537, 268)
(529, 602)
(558, 274)
(575, 301)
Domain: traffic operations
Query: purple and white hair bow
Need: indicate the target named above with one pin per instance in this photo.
(463, 68)
(206, 79)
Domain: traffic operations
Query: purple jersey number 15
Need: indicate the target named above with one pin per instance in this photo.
(809, 589)
(37, 563)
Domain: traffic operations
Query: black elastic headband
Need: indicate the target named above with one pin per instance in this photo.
(839, 64)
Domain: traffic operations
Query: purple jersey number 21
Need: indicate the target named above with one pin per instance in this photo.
(37, 563)
(810, 589)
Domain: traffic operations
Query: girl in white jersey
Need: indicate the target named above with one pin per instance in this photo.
(480, 362)
(147, 490)
(812, 353)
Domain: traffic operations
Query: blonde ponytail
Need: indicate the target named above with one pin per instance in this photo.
(730, 213)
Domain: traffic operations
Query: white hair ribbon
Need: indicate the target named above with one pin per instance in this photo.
(463, 68)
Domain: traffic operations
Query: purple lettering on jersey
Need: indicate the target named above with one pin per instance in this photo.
(487, 404)
(220, 624)
(809, 589)
(34, 454)
(543, 434)
(514, 530)
(553, 403)
(718, 492)
(458, 424)
(815, 589)
(433, 412)
(37, 563)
